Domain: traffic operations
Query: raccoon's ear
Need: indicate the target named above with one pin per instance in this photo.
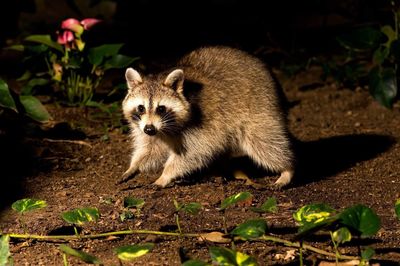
(133, 78)
(175, 80)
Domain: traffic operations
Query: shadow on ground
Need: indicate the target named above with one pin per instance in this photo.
(322, 158)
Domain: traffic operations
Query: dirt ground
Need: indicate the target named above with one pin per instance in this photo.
(348, 152)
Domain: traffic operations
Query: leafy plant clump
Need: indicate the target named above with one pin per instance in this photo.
(68, 64)
(372, 58)
(356, 221)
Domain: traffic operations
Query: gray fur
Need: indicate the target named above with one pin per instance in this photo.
(234, 108)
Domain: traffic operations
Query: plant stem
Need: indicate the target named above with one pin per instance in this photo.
(150, 232)
(305, 247)
(177, 223)
(115, 233)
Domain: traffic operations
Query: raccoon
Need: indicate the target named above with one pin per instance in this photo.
(216, 100)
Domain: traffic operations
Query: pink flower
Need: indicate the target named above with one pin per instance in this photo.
(72, 25)
(88, 23)
(66, 38)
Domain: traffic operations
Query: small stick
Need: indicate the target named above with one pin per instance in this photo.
(79, 142)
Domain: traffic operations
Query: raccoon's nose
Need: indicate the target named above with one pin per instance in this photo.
(150, 130)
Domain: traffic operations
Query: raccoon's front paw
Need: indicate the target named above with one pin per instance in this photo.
(126, 176)
(162, 182)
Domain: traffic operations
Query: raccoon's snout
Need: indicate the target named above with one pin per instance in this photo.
(150, 130)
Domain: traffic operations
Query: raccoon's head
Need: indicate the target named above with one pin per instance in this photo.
(156, 105)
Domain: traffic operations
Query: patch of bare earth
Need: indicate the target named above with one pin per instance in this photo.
(348, 153)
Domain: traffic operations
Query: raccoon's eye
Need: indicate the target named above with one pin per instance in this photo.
(141, 109)
(160, 110)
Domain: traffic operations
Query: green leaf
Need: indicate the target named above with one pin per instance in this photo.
(26, 205)
(390, 34)
(130, 202)
(313, 213)
(81, 216)
(16, 47)
(6, 100)
(268, 206)
(46, 40)
(133, 251)
(191, 208)
(97, 54)
(383, 85)
(126, 215)
(195, 263)
(362, 219)
(341, 235)
(225, 256)
(34, 108)
(27, 89)
(313, 217)
(360, 39)
(4, 250)
(80, 254)
(397, 208)
(119, 61)
(367, 253)
(242, 196)
(380, 55)
(250, 229)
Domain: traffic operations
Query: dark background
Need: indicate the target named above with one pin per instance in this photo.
(276, 30)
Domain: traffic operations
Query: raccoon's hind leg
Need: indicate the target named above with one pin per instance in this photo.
(272, 153)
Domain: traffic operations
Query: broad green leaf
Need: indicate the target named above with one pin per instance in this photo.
(268, 206)
(313, 217)
(16, 47)
(225, 256)
(97, 54)
(4, 250)
(25, 205)
(313, 213)
(81, 216)
(46, 40)
(195, 263)
(367, 253)
(191, 208)
(119, 61)
(362, 219)
(383, 85)
(80, 255)
(250, 229)
(27, 89)
(361, 39)
(133, 251)
(6, 100)
(242, 196)
(380, 55)
(390, 34)
(341, 235)
(397, 208)
(130, 202)
(34, 108)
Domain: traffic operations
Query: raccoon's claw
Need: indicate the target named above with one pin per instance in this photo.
(126, 176)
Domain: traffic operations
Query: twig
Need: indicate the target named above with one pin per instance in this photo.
(79, 142)
(305, 247)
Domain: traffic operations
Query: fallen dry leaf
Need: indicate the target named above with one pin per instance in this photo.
(216, 237)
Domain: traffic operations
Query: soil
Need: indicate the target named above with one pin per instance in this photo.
(348, 153)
